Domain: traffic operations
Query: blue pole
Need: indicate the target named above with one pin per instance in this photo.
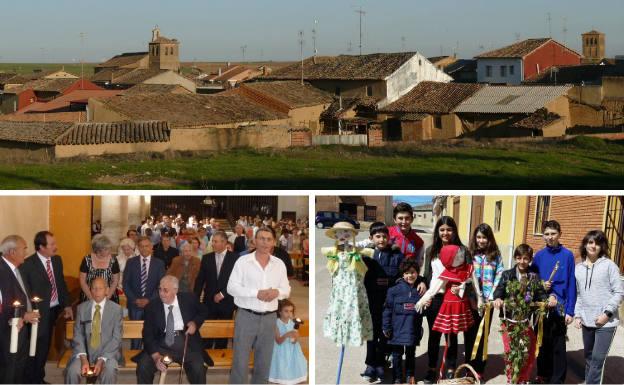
(342, 350)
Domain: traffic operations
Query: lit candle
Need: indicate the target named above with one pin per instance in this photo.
(298, 322)
(35, 327)
(163, 375)
(14, 330)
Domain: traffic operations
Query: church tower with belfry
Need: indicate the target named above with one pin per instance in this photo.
(163, 52)
(593, 47)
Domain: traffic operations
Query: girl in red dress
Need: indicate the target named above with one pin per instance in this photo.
(455, 315)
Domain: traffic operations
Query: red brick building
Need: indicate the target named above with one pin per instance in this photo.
(577, 215)
(523, 60)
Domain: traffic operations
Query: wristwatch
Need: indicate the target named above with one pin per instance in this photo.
(608, 313)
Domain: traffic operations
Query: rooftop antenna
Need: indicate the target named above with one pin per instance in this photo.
(565, 31)
(402, 43)
(314, 40)
(441, 50)
(361, 13)
(301, 41)
(517, 35)
(456, 49)
(549, 19)
(243, 49)
(349, 47)
(82, 37)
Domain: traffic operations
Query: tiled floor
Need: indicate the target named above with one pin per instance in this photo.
(299, 296)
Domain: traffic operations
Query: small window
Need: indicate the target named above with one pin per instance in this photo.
(337, 92)
(419, 62)
(503, 71)
(542, 210)
(369, 90)
(498, 208)
(511, 70)
(488, 71)
(437, 122)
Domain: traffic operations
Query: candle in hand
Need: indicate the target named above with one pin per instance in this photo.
(35, 327)
(14, 330)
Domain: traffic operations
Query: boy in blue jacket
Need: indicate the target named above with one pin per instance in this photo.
(402, 324)
(382, 273)
(561, 290)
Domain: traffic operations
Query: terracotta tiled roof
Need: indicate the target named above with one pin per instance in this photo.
(376, 66)
(539, 119)
(516, 50)
(123, 59)
(32, 132)
(292, 93)
(115, 132)
(44, 85)
(6, 76)
(105, 74)
(192, 109)
(126, 76)
(335, 111)
(433, 98)
(64, 101)
(227, 74)
(156, 89)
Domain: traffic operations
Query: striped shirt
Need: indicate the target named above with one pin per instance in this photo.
(488, 274)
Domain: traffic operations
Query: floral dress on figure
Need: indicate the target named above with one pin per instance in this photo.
(288, 364)
(348, 319)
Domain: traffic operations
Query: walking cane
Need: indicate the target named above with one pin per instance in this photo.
(183, 358)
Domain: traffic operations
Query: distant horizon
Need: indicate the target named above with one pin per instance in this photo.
(253, 31)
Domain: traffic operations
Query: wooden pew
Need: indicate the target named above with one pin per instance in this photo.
(210, 329)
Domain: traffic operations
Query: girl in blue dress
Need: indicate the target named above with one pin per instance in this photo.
(288, 365)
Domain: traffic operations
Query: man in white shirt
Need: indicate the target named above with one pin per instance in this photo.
(257, 282)
(97, 337)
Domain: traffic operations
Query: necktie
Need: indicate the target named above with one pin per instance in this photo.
(169, 331)
(219, 263)
(54, 294)
(21, 283)
(144, 277)
(95, 327)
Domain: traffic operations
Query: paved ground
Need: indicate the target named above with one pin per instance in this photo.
(327, 353)
(299, 296)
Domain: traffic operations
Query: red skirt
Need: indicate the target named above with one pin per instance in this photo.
(454, 316)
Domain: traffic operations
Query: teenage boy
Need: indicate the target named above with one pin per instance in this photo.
(402, 236)
(382, 273)
(561, 290)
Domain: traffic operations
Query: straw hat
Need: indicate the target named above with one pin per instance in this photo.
(341, 226)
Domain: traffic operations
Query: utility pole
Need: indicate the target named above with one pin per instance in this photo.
(361, 13)
(301, 48)
(315, 52)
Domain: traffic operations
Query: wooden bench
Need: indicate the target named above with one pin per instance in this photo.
(210, 329)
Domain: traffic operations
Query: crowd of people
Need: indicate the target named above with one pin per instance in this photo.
(174, 274)
(454, 287)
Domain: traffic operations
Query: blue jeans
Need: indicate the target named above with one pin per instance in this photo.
(136, 314)
(596, 344)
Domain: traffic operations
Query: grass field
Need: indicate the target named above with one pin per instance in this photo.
(584, 163)
(27, 68)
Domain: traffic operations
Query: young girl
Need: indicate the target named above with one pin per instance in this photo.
(402, 325)
(523, 256)
(288, 364)
(599, 296)
(455, 315)
(444, 233)
(488, 267)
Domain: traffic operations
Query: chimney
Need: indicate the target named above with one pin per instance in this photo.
(219, 71)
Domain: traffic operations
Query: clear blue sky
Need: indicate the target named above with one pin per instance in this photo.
(212, 30)
(413, 200)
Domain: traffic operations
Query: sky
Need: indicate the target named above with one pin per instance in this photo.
(413, 200)
(215, 30)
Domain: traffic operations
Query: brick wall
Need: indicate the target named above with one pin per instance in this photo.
(300, 138)
(576, 214)
(375, 137)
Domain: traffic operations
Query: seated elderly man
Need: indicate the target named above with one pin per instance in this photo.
(171, 328)
(97, 337)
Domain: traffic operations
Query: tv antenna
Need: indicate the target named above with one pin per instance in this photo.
(243, 49)
(82, 37)
(549, 20)
(402, 43)
(314, 38)
(301, 41)
(565, 30)
(361, 13)
(517, 35)
(349, 47)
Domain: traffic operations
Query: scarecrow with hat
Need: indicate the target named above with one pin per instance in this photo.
(348, 320)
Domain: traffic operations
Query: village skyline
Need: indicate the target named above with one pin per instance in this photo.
(260, 31)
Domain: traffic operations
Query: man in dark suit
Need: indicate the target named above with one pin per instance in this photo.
(164, 251)
(13, 288)
(43, 274)
(170, 319)
(212, 279)
(140, 282)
